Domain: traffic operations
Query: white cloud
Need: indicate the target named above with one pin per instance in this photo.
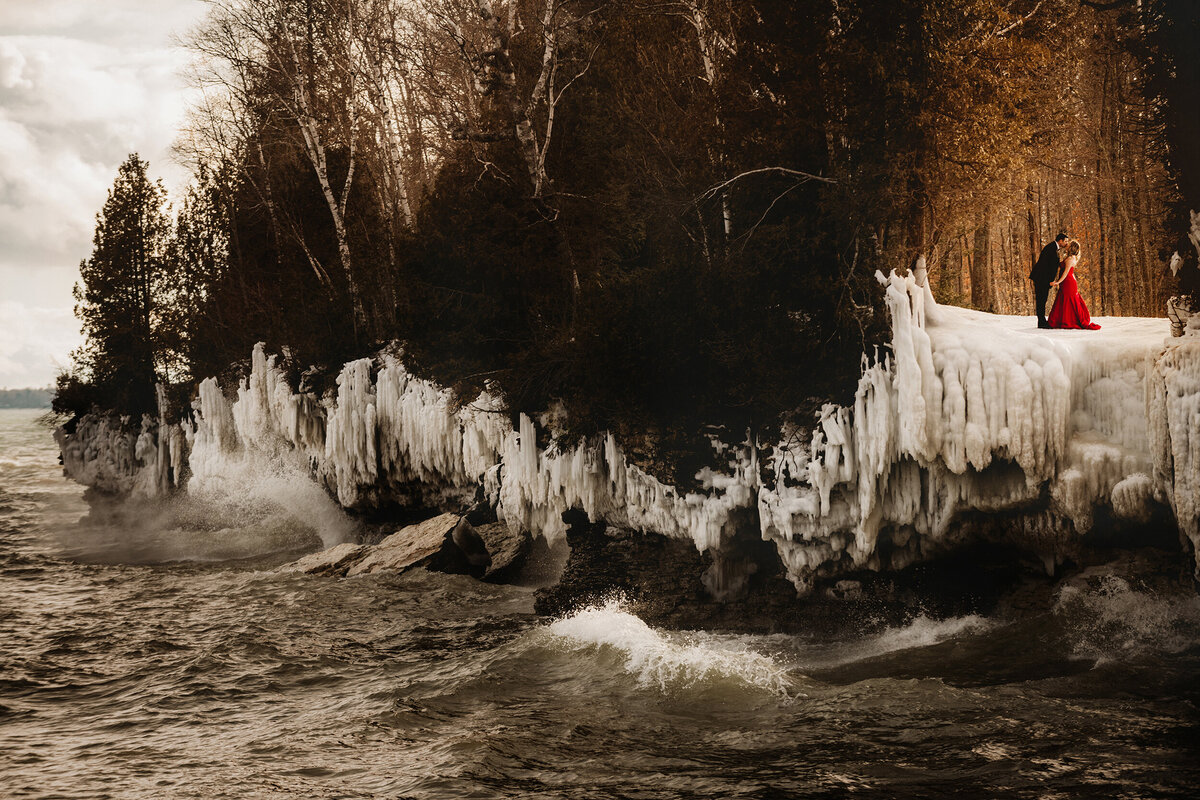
(34, 342)
(12, 67)
(82, 109)
(82, 84)
(126, 23)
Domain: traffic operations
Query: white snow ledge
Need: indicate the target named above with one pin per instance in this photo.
(980, 412)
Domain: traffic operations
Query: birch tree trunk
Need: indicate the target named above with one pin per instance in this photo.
(314, 146)
(711, 45)
(500, 80)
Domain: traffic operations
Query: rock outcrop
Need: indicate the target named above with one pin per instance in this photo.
(966, 416)
(445, 543)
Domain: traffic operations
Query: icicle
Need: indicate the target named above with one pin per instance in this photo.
(968, 411)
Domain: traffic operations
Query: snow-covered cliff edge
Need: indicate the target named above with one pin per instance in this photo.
(974, 412)
(968, 415)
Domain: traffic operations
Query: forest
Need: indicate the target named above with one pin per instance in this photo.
(655, 215)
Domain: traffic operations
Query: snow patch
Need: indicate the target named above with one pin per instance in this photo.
(974, 411)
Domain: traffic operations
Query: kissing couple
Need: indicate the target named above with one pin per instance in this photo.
(1056, 267)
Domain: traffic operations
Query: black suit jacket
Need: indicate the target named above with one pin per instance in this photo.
(1046, 267)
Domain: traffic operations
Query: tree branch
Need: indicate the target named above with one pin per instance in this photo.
(1019, 22)
(806, 176)
(466, 134)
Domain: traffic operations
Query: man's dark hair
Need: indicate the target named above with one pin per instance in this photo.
(1061, 235)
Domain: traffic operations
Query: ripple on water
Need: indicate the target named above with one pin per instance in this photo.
(218, 680)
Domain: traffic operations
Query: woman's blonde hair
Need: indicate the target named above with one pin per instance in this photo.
(1074, 248)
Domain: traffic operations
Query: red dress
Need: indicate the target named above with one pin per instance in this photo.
(1069, 310)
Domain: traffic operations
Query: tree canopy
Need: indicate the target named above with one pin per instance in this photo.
(122, 298)
(653, 214)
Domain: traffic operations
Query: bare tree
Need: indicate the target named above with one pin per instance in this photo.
(523, 107)
(291, 64)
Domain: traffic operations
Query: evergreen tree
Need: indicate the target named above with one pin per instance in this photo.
(120, 297)
(200, 249)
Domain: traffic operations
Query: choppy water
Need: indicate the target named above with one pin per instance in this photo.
(155, 655)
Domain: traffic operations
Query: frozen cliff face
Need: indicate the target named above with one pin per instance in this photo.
(381, 435)
(967, 413)
(107, 453)
(1173, 401)
(971, 412)
(102, 453)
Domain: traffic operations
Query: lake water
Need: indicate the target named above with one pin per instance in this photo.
(154, 653)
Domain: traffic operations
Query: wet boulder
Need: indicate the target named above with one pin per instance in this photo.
(508, 550)
(334, 561)
(445, 543)
(466, 553)
(413, 546)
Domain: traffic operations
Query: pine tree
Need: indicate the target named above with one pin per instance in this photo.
(199, 256)
(118, 299)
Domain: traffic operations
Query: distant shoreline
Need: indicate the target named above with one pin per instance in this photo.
(26, 398)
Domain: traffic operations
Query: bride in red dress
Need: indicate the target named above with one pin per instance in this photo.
(1069, 310)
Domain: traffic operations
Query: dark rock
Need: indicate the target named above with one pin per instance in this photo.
(845, 590)
(742, 585)
(658, 575)
(668, 583)
(508, 550)
(481, 513)
(415, 545)
(739, 558)
(467, 555)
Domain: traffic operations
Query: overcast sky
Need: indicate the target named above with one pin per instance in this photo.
(83, 83)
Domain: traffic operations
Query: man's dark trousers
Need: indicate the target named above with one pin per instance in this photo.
(1041, 291)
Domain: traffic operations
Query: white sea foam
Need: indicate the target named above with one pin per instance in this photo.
(274, 486)
(922, 631)
(668, 661)
(254, 506)
(1110, 617)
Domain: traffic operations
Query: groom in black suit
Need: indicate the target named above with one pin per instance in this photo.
(1043, 272)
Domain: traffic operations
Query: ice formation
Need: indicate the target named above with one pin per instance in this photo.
(965, 412)
(1173, 409)
(971, 412)
(397, 434)
(105, 454)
